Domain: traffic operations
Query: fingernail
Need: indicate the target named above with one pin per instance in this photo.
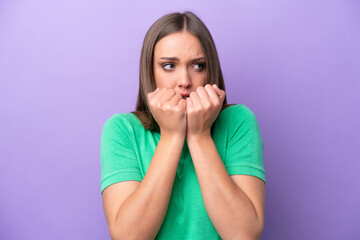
(156, 90)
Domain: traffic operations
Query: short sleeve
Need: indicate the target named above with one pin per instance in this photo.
(245, 146)
(118, 159)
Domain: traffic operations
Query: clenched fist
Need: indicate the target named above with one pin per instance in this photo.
(168, 109)
(203, 107)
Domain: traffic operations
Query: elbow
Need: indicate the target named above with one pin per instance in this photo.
(114, 234)
(256, 236)
(257, 231)
(253, 233)
(117, 234)
(251, 236)
(258, 228)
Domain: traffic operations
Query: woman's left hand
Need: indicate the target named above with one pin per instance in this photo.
(203, 107)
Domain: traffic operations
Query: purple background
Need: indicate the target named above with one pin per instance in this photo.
(67, 66)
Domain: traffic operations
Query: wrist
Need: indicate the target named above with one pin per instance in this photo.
(173, 135)
(198, 136)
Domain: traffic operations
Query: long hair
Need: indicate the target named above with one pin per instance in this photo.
(166, 25)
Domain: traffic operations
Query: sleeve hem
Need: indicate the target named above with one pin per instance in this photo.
(246, 170)
(130, 175)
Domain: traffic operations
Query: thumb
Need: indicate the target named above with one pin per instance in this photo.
(152, 94)
(220, 93)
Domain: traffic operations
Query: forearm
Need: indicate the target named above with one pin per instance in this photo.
(141, 215)
(230, 210)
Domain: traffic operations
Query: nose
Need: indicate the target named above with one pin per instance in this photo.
(184, 80)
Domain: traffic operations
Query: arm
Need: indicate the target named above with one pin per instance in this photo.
(136, 211)
(140, 216)
(236, 213)
(234, 204)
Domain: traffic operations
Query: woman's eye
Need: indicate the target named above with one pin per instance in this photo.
(168, 66)
(199, 66)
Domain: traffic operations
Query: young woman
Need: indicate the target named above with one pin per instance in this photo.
(184, 165)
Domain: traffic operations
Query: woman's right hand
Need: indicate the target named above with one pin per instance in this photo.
(169, 110)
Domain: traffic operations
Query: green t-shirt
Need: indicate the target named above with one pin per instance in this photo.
(127, 149)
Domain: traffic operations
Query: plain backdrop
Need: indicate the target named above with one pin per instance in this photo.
(67, 66)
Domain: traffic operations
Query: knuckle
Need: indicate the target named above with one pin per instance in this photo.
(159, 104)
(207, 106)
(216, 102)
(167, 106)
(177, 109)
(197, 108)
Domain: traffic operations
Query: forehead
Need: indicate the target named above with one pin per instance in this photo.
(182, 45)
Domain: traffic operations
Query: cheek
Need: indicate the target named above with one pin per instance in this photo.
(199, 79)
(158, 76)
(162, 79)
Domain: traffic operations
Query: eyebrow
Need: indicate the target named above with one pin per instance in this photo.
(176, 59)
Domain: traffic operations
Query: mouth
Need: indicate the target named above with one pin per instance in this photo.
(185, 95)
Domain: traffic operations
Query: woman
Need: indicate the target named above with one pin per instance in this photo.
(184, 165)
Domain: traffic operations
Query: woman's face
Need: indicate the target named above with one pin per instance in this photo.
(179, 63)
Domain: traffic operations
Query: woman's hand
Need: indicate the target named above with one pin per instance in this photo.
(203, 107)
(168, 109)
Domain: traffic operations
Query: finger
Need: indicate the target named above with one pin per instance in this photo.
(175, 99)
(158, 94)
(202, 93)
(168, 94)
(195, 98)
(219, 92)
(189, 102)
(152, 94)
(182, 104)
(211, 91)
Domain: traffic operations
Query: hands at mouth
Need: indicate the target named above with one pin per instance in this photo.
(202, 108)
(190, 116)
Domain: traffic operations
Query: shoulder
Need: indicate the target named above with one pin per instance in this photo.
(114, 121)
(238, 113)
(120, 121)
(235, 117)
